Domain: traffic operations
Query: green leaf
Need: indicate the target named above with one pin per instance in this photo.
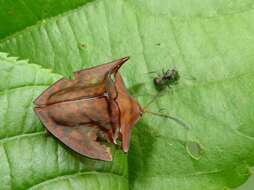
(249, 184)
(16, 15)
(210, 42)
(29, 157)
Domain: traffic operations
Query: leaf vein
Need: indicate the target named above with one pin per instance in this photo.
(68, 176)
(9, 165)
(4, 92)
(15, 137)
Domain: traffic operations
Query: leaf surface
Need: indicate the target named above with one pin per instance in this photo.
(211, 44)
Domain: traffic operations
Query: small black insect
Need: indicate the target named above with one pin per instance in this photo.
(168, 78)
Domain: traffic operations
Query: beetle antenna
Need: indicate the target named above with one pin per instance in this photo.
(160, 93)
(154, 98)
(178, 121)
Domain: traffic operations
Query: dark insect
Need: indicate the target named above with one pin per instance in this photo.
(168, 78)
(93, 106)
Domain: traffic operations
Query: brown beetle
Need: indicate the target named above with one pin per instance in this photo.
(94, 105)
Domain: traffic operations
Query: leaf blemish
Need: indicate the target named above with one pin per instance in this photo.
(81, 45)
(194, 149)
